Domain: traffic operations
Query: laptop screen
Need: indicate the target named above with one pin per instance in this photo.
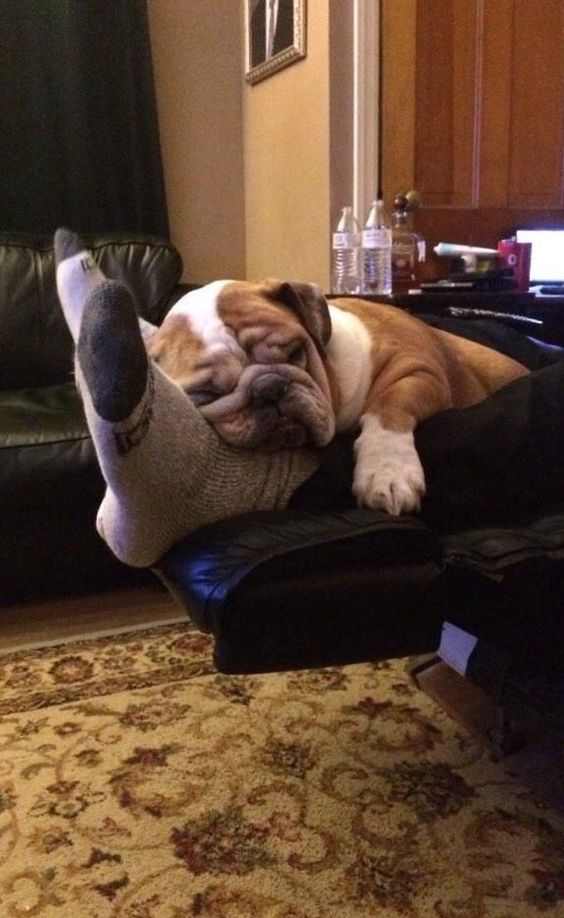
(547, 254)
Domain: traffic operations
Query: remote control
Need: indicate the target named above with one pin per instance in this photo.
(554, 290)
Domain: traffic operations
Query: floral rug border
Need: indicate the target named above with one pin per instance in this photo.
(91, 667)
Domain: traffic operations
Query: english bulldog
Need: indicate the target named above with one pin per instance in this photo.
(275, 365)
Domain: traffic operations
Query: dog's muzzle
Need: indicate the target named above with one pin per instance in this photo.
(273, 406)
(268, 390)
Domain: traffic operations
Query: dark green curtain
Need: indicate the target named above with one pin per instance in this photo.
(79, 141)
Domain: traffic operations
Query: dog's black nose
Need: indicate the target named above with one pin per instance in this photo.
(268, 390)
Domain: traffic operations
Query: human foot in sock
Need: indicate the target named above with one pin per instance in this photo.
(166, 469)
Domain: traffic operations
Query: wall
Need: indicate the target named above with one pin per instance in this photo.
(294, 159)
(255, 174)
(197, 65)
(286, 138)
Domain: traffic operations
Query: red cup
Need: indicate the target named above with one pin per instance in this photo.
(517, 255)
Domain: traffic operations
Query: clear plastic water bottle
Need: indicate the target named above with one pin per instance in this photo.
(346, 250)
(377, 251)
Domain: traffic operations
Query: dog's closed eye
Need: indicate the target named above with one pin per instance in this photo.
(297, 356)
(201, 396)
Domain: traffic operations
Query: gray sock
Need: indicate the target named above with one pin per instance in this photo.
(111, 352)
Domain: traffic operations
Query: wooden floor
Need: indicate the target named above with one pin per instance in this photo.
(29, 624)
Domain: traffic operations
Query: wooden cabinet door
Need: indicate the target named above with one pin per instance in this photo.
(473, 115)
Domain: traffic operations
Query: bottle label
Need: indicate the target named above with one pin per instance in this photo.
(403, 264)
(402, 253)
(346, 240)
(375, 238)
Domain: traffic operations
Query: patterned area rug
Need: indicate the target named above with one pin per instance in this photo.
(137, 782)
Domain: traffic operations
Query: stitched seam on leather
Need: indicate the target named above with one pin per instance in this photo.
(158, 305)
(78, 439)
(37, 292)
(40, 282)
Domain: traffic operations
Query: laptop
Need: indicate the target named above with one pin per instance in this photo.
(547, 258)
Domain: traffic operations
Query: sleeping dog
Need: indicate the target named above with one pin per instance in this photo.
(274, 365)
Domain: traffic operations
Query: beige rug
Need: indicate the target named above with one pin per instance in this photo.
(137, 782)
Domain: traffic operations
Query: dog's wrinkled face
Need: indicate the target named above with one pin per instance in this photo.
(251, 357)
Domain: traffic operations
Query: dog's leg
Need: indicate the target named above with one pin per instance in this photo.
(388, 473)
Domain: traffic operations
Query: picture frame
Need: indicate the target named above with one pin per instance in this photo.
(285, 37)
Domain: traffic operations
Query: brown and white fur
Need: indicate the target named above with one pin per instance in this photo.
(275, 365)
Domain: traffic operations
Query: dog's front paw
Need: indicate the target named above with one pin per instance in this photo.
(388, 474)
(395, 490)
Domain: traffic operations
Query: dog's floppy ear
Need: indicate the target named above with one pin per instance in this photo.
(310, 306)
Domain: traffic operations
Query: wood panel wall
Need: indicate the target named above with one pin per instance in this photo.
(473, 113)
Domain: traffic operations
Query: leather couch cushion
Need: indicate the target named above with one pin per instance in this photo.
(294, 589)
(212, 562)
(50, 491)
(289, 589)
(35, 345)
(44, 444)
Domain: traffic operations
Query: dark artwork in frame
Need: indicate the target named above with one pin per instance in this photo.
(275, 36)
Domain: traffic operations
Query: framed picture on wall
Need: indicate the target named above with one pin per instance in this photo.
(275, 36)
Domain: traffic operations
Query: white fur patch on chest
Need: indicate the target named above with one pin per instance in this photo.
(350, 354)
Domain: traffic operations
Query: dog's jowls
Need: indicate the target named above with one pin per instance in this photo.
(273, 365)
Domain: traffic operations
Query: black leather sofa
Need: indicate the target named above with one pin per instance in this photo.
(50, 484)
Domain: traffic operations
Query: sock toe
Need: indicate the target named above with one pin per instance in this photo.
(111, 352)
(67, 244)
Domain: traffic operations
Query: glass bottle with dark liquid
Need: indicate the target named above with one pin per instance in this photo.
(408, 248)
